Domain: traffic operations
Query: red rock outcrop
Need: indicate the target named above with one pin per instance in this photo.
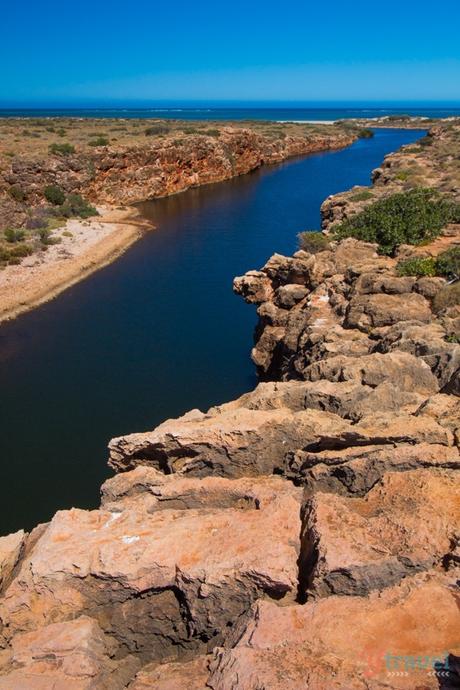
(128, 174)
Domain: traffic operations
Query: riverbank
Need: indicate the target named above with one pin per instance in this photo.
(84, 246)
(53, 163)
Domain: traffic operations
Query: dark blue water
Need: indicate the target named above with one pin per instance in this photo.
(156, 333)
(248, 112)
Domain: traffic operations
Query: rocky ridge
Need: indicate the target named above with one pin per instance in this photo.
(305, 535)
(135, 171)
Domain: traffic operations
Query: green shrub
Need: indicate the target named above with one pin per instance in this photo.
(99, 141)
(362, 196)
(154, 130)
(417, 266)
(61, 149)
(76, 206)
(211, 132)
(403, 175)
(365, 133)
(17, 193)
(14, 235)
(409, 217)
(448, 296)
(312, 241)
(448, 264)
(54, 194)
(21, 250)
(46, 238)
(426, 141)
(412, 149)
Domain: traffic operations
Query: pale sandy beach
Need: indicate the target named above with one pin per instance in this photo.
(85, 246)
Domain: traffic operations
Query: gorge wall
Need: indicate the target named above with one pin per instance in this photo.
(125, 174)
(305, 535)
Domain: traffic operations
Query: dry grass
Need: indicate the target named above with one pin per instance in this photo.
(32, 137)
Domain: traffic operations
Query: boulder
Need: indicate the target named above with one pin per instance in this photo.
(402, 370)
(356, 469)
(167, 568)
(287, 296)
(192, 675)
(397, 639)
(11, 549)
(373, 311)
(405, 524)
(74, 655)
(239, 442)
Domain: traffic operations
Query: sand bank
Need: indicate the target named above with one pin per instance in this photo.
(85, 246)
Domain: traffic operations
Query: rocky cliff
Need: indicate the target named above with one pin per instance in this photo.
(138, 170)
(431, 162)
(305, 535)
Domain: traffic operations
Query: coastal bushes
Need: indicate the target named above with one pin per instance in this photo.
(365, 133)
(61, 149)
(312, 241)
(417, 266)
(100, 140)
(155, 130)
(68, 206)
(448, 296)
(411, 217)
(76, 206)
(448, 264)
(445, 265)
(17, 193)
(13, 255)
(13, 235)
(365, 195)
(54, 194)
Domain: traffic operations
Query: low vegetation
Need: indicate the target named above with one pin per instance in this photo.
(156, 130)
(17, 193)
(76, 207)
(366, 133)
(39, 230)
(413, 217)
(100, 140)
(61, 149)
(54, 194)
(365, 195)
(448, 264)
(448, 297)
(417, 266)
(445, 265)
(313, 241)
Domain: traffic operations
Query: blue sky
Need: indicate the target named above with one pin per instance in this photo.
(95, 52)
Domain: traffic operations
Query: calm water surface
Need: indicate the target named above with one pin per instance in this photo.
(156, 333)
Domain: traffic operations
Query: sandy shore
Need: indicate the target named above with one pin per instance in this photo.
(85, 246)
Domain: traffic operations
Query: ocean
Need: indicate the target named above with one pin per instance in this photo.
(280, 112)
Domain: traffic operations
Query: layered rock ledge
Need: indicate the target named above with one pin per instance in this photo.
(305, 535)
